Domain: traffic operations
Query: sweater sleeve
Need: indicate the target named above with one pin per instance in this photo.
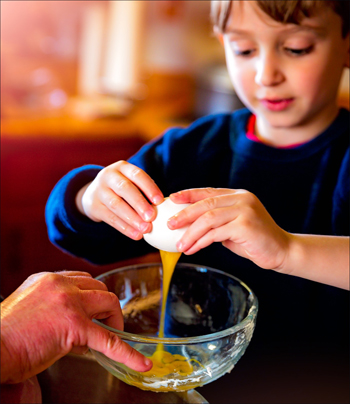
(174, 161)
(76, 234)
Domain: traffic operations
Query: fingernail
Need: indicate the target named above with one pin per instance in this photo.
(180, 246)
(172, 222)
(157, 199)
(148, 215)
(143, 227)
(147, 362)
(135, 233)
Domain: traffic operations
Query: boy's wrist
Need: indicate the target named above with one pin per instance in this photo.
(311, 257)
(79, 199)
(294, 255)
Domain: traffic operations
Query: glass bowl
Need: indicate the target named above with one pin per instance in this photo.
(209, 322)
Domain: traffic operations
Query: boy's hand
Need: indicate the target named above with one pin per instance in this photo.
(51, 314)
(118, 195)
(234, 217)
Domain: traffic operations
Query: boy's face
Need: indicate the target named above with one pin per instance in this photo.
(287, 74)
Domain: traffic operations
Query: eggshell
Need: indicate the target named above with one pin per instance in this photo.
(161, 236)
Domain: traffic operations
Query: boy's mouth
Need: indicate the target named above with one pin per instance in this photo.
(276, 104)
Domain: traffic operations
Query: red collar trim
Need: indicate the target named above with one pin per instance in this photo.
(252, 136)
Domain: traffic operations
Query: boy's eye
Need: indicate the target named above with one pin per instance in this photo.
(300, 51)
(246, 52)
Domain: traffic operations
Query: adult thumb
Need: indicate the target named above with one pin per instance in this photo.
(113, 347)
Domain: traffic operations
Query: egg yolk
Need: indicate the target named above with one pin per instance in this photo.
(165, 363)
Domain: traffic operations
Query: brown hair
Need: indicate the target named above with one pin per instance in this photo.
(284, 11)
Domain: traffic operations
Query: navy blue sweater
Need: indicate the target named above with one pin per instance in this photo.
(305, 189)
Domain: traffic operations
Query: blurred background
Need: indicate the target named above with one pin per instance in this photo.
(90, 82)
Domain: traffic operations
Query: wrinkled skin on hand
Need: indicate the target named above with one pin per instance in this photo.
(50, 315)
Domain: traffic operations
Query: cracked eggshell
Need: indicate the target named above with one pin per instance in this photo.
(161, 236)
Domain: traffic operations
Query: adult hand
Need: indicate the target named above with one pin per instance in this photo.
(118, 196)
(51, 314)
(234, 217)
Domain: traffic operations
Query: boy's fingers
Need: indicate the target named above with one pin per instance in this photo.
(217, 234)
(130, 193)
(207, 229)
(107, 216)
(112, 346)
(197, 194)
(142, 181)
(200, 208)
(124, 211)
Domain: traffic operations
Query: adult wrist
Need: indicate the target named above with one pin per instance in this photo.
(12, 352)
(5, 363)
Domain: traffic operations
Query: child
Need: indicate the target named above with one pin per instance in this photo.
(286, 157)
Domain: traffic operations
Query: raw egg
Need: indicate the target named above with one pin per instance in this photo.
(161, 236)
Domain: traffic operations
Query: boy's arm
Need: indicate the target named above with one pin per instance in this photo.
(238, 220)
(69, 230)
(323, 259)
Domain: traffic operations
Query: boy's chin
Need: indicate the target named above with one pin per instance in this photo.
(280, 120)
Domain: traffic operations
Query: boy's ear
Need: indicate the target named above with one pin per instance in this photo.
(219, 35)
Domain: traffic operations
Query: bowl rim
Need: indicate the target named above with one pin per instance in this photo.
(251, 316)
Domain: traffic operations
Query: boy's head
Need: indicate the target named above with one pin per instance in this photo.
(284, 11)
(285, 60)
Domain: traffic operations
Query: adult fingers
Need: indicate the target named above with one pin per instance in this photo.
(112, 346)
(73, 273)
(113, 320)
(86, 283)
(103, 305)
(80, 350)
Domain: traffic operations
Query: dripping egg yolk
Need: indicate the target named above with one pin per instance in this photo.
(164, 362)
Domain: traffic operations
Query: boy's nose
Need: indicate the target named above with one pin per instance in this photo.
(268, 71)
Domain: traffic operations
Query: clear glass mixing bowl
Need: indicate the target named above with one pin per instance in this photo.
(210, 319)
